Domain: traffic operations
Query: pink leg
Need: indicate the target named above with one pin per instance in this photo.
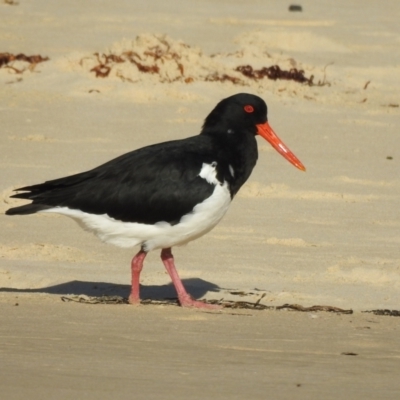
(136, 268)
(184, 298)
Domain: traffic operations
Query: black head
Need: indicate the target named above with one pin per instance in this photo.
(246, 115)
(241, 112)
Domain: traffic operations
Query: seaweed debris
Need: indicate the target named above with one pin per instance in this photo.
(247, 305)
(171, 61)
(275, 72)
(7, 60)
(391, 313)
(107, 61)
(298, 307)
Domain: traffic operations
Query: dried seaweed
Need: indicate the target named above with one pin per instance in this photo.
(231, 304)
(107, 61)
(274, 72)
(215, 77)
(391, 313)
(157, 53)
(7, 60)
(297, 307)
(131, 57)
(161, 53)
(82, 298)
(102, 70)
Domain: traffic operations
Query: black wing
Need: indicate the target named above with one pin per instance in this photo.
(152, 184)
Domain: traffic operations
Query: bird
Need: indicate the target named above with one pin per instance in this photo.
(165, 194)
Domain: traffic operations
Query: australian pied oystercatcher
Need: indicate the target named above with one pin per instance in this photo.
(166, 194)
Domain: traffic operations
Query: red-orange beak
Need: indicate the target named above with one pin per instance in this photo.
(267, 133)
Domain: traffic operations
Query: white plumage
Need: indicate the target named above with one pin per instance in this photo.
(204, 217)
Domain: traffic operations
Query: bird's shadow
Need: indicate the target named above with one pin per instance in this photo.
(195, 286)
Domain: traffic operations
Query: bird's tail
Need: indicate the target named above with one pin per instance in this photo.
(27, 209)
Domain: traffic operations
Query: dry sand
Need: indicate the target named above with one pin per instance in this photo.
(330, 236)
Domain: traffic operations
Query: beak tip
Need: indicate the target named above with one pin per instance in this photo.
(268, 134)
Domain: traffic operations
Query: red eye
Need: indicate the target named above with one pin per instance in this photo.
(249, 108)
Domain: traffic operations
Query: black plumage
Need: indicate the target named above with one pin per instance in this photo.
(160, 182)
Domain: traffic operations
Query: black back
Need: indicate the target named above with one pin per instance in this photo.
(161, 182)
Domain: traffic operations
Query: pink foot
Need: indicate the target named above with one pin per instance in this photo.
(133, 300)
(185, 299)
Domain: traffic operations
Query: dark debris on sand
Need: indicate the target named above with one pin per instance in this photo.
(7, 60)
(230, 304)
(275, 72)
(391, 313)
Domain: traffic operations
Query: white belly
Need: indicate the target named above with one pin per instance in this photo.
(160, 235)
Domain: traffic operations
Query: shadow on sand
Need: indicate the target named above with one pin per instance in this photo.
(195, 286)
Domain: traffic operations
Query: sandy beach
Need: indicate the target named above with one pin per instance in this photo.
(111, 77)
